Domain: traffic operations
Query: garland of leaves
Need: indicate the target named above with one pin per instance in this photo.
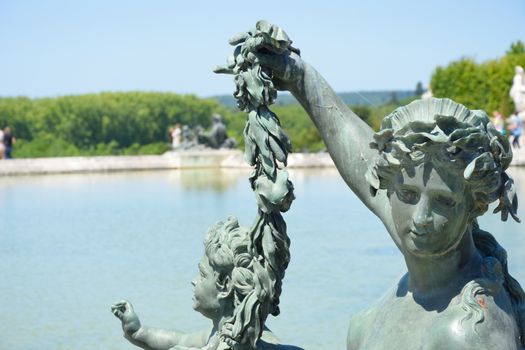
(266, 150)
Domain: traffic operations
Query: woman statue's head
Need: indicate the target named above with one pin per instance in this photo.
(232, 286)
(441, 165)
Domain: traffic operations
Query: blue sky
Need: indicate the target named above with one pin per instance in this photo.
(50, 48)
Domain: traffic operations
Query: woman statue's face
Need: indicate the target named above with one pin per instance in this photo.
(431, 211)
(206, 291)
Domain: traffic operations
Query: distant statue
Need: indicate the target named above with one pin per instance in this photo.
(189, 138)
(427, 94)
(431, 171)
(217, 137)
(517, 91)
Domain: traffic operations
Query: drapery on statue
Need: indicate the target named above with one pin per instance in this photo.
(240, 276)
(433, 168)
(517, 91)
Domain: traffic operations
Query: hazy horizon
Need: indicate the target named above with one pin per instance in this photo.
(189, 93)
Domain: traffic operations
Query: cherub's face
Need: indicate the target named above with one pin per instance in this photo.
(206, 291)
(431, 211)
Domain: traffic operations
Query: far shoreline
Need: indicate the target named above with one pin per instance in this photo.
(201, 159)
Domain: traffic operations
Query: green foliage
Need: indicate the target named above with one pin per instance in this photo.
(294, 121)
(44, 146)
(516, 48)
(152, 148)
(363, 112)
(235, 122)
(48, 146)
(480, 85)
(299, 128)
(137, 123)
(102, 124)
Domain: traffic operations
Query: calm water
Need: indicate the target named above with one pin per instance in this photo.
(71, 245)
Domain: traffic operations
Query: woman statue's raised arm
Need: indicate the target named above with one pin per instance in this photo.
(346, 136)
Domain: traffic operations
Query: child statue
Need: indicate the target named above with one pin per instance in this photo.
(232, 289)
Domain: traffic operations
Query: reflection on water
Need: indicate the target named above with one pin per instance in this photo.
(71, 245)
(218, 180)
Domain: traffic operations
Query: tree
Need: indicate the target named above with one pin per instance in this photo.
(516, 48)
(483, 85)
(363, 112)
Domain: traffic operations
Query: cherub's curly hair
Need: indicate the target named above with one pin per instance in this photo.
(255, 280)
(460, 142)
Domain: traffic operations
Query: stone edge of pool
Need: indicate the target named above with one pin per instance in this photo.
(169, 160)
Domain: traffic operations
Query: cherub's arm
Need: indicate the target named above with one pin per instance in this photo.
(161, 339)
(155, 338)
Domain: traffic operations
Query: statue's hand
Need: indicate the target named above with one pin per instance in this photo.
(287, 68)
(269, 46)
(123, 310)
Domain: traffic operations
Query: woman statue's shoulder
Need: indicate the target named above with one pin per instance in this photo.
(482, 314)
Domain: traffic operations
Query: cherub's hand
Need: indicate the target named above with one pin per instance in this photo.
(269, 46)
(123, 310)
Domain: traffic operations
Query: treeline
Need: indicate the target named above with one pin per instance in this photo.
(129, 123)
(101, 124)
(483, 85)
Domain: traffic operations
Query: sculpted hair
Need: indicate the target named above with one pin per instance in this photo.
(461, 142)
(254, 289)
(456, 140)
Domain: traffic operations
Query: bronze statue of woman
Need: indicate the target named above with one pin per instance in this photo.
(433, 168)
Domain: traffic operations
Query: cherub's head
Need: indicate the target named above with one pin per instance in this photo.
(441, 165)
(233, 286)
(214, 284)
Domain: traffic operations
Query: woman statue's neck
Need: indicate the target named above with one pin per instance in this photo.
(444, 274)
